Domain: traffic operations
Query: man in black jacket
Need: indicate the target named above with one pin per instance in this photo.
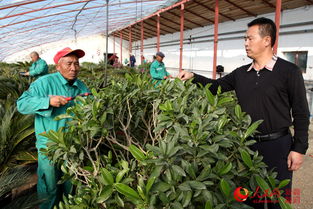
(269, 89)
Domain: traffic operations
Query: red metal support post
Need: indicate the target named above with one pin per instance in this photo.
(121, 46)
(277, 22)
(181, 44)
(158, 32)
(215, 39)
(113, 43)
(141, 42)
(130, 40)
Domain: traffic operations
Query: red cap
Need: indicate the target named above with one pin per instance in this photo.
(78, 52)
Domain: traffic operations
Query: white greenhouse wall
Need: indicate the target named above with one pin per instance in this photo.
(198, 57)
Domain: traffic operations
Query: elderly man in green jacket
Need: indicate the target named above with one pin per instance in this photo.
(38, 68)
(46, 98)
(157, 69)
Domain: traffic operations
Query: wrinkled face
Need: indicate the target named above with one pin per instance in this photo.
(255, 44)
(160, 59)
(69, 67)
(34, 57)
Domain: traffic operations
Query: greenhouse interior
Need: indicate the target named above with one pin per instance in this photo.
(156, 104)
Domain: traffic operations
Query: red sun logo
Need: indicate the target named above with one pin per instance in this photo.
(241, 194)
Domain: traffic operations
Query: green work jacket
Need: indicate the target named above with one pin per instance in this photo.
(158, 71)
(36, 101)
(38, 68)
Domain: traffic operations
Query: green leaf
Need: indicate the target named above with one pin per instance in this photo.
(221, 123)
(162, 186)
(252, 128)
(197, 185)
(187, 198)
(88, 168)
(94, 92)
(207, 195)
(163, 147)
(226, 168)
(283, 203)
(211, 148)
(209, 95)
(283, 183)
(225, 188)
(61, 205)
(165, 200)
(238, 111)
(127, 191)
(224, 100)
(271, 179)
(156, 171)
(205, 173)
(149, 184)
(208, 205)
(182, 131)
(176, 205)
(105, 194)
(141, 193)
(22, 136)
(119, 201)
(127, 180)
(64, 169)
(72, 149)
(246, 158)
(167, 106)
(137, 153)
(128, 77)
(184, 186)
(120, 175)
(26, 156)
(174, 151)
(63, 116)
(262, 183)
(179, 170)
(124, 164)
(191, 172)
(52, 135)
(107, 177)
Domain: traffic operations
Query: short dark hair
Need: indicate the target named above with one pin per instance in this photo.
(266, 28)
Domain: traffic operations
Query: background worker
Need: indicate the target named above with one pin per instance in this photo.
(132, 59)
(46, 99)
(39, 67)
(157, 69)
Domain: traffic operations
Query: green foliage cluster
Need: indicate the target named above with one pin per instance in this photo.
(132, 145)
(17, 140)
(145, 67)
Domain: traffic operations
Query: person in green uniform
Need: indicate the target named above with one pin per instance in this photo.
(38, 68)
(157, 69)
(46, 99)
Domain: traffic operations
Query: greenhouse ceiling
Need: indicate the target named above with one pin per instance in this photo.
(30, 23)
